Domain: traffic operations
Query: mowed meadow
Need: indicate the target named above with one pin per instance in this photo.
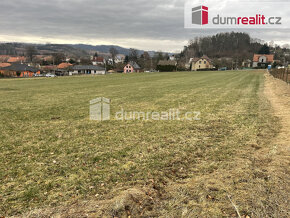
(52, 155)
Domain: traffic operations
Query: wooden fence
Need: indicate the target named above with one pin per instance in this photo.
(283, 74)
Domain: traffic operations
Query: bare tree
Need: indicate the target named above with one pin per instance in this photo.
(85, 61)
(133, 55)
(30, 52)
(58, 58)
(147, 61)
(113, 52)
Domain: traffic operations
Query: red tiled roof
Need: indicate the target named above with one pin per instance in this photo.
(194, 60)
(4, 58)
(64, 65)
(16, 59)
(99, 59)
(4, 65)
(48, 58)
(49, 67)
(270, 58)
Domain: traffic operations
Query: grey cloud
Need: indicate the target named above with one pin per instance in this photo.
(93, 19)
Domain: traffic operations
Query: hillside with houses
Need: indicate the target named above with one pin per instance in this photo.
(205, 53)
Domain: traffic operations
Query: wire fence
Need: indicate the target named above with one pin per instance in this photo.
(283, 74)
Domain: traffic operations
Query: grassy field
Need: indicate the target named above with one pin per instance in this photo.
(52, 155)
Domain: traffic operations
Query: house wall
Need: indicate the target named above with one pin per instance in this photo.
(255, 64)
(71, 73)
(24, 74)
(7, 73)
(128, 69)
(201, 64)
(263, 59)
(92, 72)
(97, 63)
(96, 72)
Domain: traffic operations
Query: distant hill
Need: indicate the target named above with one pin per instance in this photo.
(106, 49)
(43, 49)
(68, 49)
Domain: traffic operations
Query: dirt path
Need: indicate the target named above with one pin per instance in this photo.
(278, 93)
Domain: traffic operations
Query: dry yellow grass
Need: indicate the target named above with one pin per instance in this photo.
(73, 167)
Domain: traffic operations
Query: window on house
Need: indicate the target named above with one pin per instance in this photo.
(200, 62)
(204, 62)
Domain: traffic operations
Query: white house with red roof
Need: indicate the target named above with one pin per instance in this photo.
(262, 60)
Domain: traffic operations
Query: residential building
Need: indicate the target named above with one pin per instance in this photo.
(18, 70)
(132, 67)
(19, 59)
(247, 63)
(87, 69)
(49, 68)
(98, 61)
(262, 60)
(120, 58)
(4, 65)
(64, 65)
(203, 63)
(172, 58)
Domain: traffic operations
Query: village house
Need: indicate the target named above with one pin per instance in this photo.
(98, 61)
(132, 67)
(64, 65)
(247, 63)
(47, 58)
(87, 69)
(262, 60)
(17, 70)
(203, 63)
(49, 68)
(120, 58)
(19, 59)
(172, 58)
(63, 69)
(4, 65)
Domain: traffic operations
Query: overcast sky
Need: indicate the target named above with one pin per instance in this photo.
(143, 24)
